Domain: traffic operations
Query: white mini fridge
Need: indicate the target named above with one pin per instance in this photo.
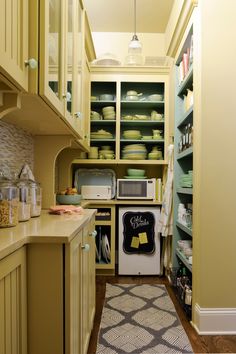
(139, 241)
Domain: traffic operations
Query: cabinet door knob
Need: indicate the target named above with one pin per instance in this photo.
(67, 96)
(78, 114)
(85, 247)
(31, 63)
(93, 233)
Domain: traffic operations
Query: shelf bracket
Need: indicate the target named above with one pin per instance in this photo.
(9, 101)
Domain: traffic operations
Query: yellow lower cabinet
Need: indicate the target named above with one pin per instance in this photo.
(88, 284)
(61, 295)
(80, 290)
(13, 321)
(92, 273)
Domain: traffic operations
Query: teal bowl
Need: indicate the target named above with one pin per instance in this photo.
(135, 172)
(68, 199)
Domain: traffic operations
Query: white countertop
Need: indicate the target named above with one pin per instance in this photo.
(46, 228)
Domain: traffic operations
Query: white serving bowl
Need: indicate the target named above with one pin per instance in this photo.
(155, 97)
(132, 98)
(106, 97)
(131, 93)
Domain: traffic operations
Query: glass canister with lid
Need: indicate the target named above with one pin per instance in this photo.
(9, 199)
(24, 213)
(35, 192)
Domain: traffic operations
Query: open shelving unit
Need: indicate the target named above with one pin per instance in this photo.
(183, 157)
(105, 227)
(118, 86)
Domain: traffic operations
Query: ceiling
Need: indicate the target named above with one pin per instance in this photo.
(118, 15)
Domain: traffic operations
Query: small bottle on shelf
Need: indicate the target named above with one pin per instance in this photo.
(186, 137)
(191, 51)
(190, 135)
(183, 141)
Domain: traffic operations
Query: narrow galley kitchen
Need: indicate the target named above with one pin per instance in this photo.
(116, 203)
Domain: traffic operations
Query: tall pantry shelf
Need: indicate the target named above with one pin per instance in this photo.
(183, 173)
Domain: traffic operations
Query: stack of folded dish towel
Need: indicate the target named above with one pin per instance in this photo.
(186, 180)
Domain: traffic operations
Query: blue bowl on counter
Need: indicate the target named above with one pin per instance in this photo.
(69, 199)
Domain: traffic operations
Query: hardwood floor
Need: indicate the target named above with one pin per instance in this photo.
(200, 344)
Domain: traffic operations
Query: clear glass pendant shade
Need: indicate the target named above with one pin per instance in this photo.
(135, 46)
(134, 56)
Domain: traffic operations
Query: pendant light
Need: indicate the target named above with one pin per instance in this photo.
(134, 56)
(135, 45)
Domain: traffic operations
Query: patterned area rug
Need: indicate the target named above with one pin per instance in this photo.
(140, 319)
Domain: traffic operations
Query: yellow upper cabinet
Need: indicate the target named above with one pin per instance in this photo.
(14, 42)
(43, 47)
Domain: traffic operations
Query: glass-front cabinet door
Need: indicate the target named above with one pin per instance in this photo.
(69, 89)
(51, 61)
(73, 72)
(58, 46)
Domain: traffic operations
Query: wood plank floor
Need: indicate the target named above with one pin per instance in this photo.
(200, 344)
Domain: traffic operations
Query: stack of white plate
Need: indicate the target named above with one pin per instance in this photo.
(132, 134)
(109, 113)
(155, 97)
(134, 152)
(101, 134)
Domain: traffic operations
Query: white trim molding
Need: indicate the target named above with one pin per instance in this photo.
(179, 27)
(213, 321)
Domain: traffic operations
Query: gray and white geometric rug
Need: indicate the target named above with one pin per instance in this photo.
(140, 319)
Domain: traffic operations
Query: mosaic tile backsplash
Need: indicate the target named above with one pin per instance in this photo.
(16, 148)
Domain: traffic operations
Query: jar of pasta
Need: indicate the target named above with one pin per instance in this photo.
(9, 199)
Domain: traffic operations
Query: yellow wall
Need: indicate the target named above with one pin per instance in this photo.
(214, 155)
(117, 43)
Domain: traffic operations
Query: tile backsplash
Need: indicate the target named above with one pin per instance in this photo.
(16, 148)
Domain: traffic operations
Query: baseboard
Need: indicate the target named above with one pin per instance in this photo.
(213, 321)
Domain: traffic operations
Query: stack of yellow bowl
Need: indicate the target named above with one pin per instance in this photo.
(134, 152)
(109, 113)
(132, 134)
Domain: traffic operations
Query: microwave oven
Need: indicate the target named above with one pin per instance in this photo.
(136, 188)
